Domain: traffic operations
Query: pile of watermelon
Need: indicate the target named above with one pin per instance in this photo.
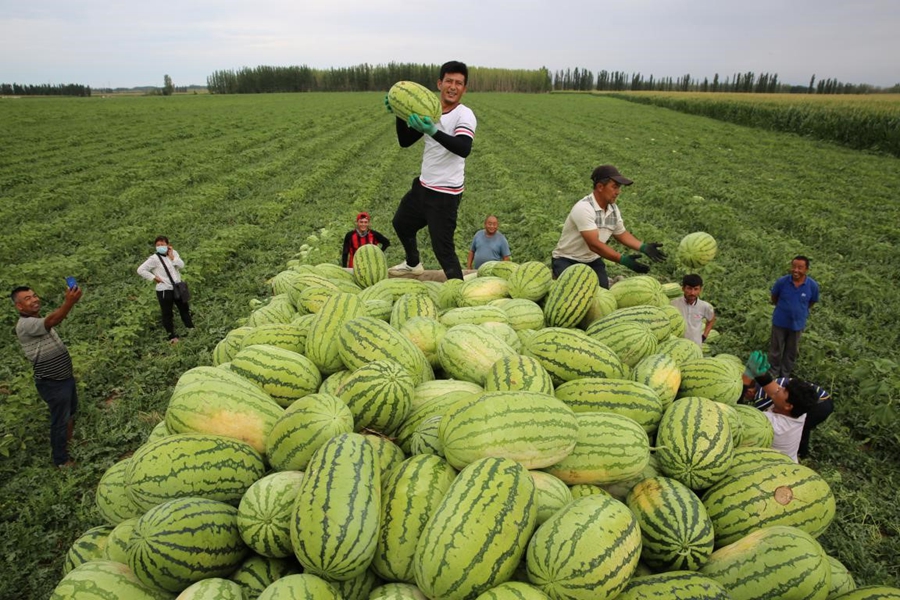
(506, 437)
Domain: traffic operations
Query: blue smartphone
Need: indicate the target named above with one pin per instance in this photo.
(70, 281)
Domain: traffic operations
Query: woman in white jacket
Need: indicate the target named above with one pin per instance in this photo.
(164, 268)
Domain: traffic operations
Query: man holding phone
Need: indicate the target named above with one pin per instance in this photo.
(53, 374)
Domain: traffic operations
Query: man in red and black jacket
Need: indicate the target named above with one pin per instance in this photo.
(361, 236)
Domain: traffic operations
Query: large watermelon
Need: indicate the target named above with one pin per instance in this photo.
(410, 98)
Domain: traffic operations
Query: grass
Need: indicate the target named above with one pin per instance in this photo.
(240, 183)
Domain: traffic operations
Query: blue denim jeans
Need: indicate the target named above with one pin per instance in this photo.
(62, 399)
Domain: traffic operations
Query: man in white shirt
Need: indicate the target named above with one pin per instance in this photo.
(698, 314)
(591, 222)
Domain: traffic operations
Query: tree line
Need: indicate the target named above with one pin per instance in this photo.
(45, 89)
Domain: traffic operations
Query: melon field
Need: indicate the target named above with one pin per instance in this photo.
(250, 187)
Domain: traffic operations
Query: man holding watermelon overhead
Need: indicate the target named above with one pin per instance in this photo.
(592, 221)
(433, 200)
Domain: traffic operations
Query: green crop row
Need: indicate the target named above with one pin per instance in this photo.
(860, 125)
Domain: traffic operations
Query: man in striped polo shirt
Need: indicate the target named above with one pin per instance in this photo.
(433, 200)
(53, 375)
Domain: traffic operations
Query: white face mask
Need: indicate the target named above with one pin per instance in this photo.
(162, 249)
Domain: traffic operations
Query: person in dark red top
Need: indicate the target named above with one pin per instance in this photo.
(361, 236)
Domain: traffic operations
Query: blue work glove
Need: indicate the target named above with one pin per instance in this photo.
(387, 104)
(653, 251)
(631, 261)
(422, 124)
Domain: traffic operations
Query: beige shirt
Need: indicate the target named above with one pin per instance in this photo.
(587, 215)
(696, 316)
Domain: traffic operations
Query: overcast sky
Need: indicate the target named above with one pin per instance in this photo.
(104, 43)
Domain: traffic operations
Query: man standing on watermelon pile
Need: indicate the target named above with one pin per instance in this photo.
(591, 222)
(433, 200)
(53, 374)
(794, 407)
(793, 296)
(360, 236)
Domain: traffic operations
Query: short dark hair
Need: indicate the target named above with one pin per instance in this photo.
(692, 280)
(802, 395)
(801, 257)
(454, 66)
(161, 238)
(18, 290)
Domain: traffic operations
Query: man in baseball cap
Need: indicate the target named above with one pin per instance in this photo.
(592, 221)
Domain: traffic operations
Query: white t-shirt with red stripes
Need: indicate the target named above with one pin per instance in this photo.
(443, 171)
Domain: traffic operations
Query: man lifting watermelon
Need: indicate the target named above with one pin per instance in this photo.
(592, 221)
(433, 200)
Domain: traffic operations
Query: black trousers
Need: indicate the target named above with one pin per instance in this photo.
(784, 347)
(561, 264)
(166, 303)
(816, 415)
(421, 208)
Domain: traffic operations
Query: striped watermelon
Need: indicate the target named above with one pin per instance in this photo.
(569, 354)
(410, 494)
(518, 373)
(756, 428)
(426, 333)
(534, 429)
(337, 539)
(870, 592)
(185, 540)
(635, 291)
(524, 314)
(396, 287)
(582, 490)
(772, 494)
(398, 591)
(192, 465)
(841, 579)
(481, 290)
(91, 545)
(222, 408)
(379, 309)
(426, 438)
(410, 98)
(531, 281)
(570, 298)
(710, 378)
(303, 428)
(609, 448)
(229, 345)
(620, 489)
(264, 514)
(387, 453)
(696, 249)
(310, 300)
(552, 494)
(505, 333)
(283, 374)
(322, 345)
(332, 383)
(357, 588)
(459, 557)
(159, 431)
(214, 375)
(676, 532)
(676, 320)
(630, 340)
(117, 541)
(604, 303)
(468, 352)
(214, 588)
(621, 396)
(433, 407)
(775, 562)
(379, 394)
(259, 572)
(747, 458)
(448, 296)
(513, 590)
(279, 309)
(290, 336)
(683, 585)
(408, 306)
(661, 374)
(473, 315)
(369, 265)
(105, 579)
(429, 390)
(681, 350)
(651, 316)
(587, 550)
(363, 340)
(113, 501)
(693, 443)
(301, 587)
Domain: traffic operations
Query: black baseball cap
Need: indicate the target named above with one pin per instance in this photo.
(609, 172)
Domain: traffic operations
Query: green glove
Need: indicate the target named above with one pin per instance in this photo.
(631, 261)
(653, 251)
(387, 104)
(422, 124)
(757, 364)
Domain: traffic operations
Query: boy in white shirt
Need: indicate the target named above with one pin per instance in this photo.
(699, 315)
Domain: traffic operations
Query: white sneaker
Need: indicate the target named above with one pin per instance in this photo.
(405, 269)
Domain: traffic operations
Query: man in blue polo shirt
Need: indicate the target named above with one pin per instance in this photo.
(793, 295)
